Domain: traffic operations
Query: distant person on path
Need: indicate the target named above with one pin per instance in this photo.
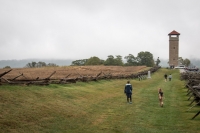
(170, 77)
(128, 91)
(160, 96)
(165, 76)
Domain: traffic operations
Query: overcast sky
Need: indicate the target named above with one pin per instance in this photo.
(80, 29)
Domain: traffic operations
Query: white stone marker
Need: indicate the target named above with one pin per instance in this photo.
(149, 75)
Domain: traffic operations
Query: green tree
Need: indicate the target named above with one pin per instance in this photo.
(7, 67)
(110, 61)
(131, 60)
(31, 65)
(180, 60)
(145, 58)
(102, 61)
(41, 64)
(186, 62)
(118, 60)
(52, 65)
(157, 61)
(93, 61)
(79, 62)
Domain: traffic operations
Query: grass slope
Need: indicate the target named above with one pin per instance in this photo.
(98, 107)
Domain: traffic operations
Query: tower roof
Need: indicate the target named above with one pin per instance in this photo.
(174, 33)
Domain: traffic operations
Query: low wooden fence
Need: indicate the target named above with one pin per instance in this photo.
(50, 80)
(193, 89)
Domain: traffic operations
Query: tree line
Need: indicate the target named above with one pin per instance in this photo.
(40, 64)
(34, 64)
(142, 58)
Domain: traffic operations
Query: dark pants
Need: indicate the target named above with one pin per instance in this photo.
(129, 96)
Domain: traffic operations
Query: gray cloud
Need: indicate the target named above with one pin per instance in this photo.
(76, 29)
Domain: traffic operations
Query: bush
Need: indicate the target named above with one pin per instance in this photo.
(7, 67)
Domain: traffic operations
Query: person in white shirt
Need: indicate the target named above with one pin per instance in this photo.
(170, 77)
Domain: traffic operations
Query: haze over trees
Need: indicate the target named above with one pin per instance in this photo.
(40, 64)
(23, 62)
(185, 62)
(142, 58)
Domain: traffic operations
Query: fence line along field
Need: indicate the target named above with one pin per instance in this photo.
(69, 74)
(61, 72)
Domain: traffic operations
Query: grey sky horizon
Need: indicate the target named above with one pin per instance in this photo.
(80, 29)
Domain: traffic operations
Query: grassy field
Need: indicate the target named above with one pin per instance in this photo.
(98, 107)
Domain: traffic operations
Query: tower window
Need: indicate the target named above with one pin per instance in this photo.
(173, 35)
(174, 47)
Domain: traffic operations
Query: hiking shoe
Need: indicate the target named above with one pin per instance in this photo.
(130, 102)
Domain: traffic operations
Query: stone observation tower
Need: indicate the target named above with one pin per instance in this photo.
(173, 48)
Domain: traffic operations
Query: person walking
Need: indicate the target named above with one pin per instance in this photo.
(160, 96)
(165, 76)
(170, 77)
(128, 91)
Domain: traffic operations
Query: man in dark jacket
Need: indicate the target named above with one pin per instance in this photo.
(128, 91)
(165, 77)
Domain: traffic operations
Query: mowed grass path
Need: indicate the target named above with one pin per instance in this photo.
(98, 107)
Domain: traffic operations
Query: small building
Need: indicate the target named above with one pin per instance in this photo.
(173, 49)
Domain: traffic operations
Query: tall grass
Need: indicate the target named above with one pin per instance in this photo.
(98, 107)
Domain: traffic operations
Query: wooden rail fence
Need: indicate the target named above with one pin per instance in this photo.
(49, 80)
(193, 89)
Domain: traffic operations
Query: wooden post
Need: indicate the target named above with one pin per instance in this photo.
(196, 115)
(1, 75)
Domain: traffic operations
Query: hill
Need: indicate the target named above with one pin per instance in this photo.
(98, 107)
